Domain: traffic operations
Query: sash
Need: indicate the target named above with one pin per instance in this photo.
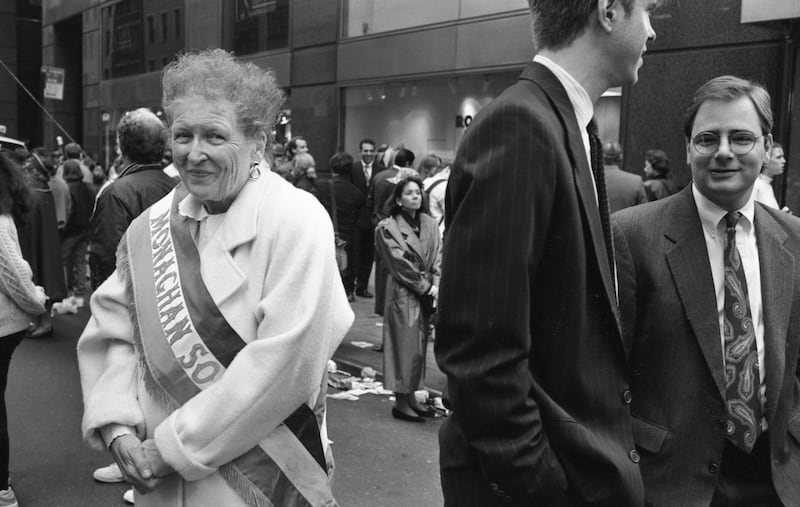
(185, 346)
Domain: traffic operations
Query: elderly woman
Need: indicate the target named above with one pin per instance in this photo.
(408, 243)
(200, 372)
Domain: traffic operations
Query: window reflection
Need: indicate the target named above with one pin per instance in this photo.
(260, 25)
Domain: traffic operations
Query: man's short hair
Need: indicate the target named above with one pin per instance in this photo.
(73, 150)
(404, 158)
(341, 163)
(612, 153)
(366, 141)
(658, 160)
(142, 136)
(556, 23)
(727, 89)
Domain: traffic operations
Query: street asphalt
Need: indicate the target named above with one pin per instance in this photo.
(379, 461)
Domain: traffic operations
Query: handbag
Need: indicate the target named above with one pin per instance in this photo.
(339, 243)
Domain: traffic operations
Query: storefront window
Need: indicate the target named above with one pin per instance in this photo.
(431, 116)
(260, 25)
(426, 116)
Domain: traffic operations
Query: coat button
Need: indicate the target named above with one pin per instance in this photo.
(729, 429)
(627, 397)
(713, 468)
(634, 455)
(493, 486)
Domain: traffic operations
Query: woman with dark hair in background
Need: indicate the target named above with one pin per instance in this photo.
(408, 242)
(657, 183)
(20, 299)
(39, 238)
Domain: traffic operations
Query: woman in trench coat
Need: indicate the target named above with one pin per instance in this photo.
(409, 241)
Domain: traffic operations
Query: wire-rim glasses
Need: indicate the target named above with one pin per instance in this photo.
(741, 142)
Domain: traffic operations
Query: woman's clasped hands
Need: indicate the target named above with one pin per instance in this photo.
(140, 462)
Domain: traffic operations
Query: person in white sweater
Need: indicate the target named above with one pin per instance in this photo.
(20, 299)
(203, 367)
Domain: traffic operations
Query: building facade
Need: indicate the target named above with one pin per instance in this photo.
(411, 72)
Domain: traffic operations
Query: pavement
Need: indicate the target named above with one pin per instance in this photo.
(380, 461)
(368, 328)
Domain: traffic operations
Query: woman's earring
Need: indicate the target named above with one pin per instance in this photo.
(255, 171)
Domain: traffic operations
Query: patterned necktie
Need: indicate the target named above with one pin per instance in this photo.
(742, 380)
(596, 150)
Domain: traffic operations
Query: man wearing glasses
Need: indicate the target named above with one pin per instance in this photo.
(709, 289)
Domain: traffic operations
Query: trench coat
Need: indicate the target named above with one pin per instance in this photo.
(414, 265)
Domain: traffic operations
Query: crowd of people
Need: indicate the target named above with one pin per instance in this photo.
(608, 339)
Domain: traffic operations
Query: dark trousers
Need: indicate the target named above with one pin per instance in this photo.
(7, 346)
(745, 480)
(364, 255)
(467, 487)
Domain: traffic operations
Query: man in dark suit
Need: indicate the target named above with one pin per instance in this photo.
(349, 206)
(528, 330)
(624, 189)
(363, 173)
(709, 288)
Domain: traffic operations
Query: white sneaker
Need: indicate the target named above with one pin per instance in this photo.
(77, 301)
(128, 496)
(111, 473)
(8, 498)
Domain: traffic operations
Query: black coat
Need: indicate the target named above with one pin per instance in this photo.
(138, 187)
(349, 203)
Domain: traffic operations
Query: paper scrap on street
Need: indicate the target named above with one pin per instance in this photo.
(353, 387)
(361, 345)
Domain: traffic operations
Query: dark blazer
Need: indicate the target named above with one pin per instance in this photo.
(360, 181)
(528, 330)
(624, 189)
(671, 327)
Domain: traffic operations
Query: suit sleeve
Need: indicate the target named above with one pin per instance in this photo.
(499, 209)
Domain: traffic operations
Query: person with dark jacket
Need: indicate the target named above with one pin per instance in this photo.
(141, 136)
(349, 202)
(75, 235)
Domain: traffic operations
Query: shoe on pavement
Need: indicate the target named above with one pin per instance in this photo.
(364, 293)
(128, 496)
(8, 498)
(111, 473)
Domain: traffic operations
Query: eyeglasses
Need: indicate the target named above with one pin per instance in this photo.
(740, 143)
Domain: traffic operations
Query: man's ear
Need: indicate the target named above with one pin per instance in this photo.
(606, 14)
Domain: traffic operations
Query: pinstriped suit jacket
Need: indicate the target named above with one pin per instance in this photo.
(671, 326)
(528, 330)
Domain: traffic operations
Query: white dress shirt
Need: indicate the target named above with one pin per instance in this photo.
(367, 171)
(763, 193)
(581, 103)
(712, 217)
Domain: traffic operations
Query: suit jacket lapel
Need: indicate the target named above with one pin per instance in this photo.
(776, 263)
(691, 270)
(549, 83)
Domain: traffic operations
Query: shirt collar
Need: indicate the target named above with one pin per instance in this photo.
(191, 207)
(581, 103)
(711, 215)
